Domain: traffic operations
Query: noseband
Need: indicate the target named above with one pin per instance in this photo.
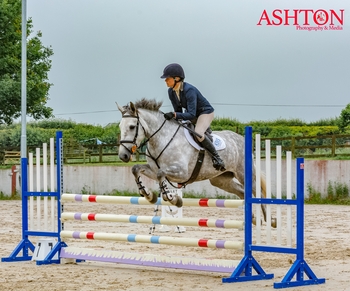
(133, 142)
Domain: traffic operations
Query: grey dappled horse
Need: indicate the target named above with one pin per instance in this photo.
(171, 158)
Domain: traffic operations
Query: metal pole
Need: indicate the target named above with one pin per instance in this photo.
(24, 81)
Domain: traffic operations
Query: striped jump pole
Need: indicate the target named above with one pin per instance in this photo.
(202, 202)
(154, 239)
(201, 222)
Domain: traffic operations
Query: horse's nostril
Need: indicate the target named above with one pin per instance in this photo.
(123, 157)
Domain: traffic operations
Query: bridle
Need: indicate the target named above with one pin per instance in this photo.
(133, 142)
(135, 147)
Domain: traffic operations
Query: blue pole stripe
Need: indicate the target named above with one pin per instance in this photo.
(155, 239)
(134, 200)
(156, 220)
(131, 238)
(133, 218)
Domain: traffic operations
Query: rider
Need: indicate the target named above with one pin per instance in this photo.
(197, 108)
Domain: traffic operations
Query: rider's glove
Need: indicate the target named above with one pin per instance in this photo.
(169, 115)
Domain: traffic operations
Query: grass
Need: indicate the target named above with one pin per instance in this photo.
(337, 194)
(6, 197)
(7, 166)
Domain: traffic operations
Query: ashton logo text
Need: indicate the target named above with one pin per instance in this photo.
(304, 18)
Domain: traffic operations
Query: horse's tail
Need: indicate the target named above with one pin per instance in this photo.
(263, 184)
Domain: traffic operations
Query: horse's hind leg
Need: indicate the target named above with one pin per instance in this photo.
(144, 191)
(166, 195)
(263, 195)
(225, 182)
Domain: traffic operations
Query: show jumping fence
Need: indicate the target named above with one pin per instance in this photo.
(51, 218)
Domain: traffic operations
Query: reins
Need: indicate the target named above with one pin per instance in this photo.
(135, 148)
(155, 159)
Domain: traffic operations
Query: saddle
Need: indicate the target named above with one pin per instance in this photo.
(191, 126)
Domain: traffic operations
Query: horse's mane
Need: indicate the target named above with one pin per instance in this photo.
(151, 104)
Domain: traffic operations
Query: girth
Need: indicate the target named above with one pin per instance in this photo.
(195, 171)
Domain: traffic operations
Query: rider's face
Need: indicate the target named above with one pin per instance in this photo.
(170, 82)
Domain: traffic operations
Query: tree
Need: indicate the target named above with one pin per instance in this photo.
(344, 118)
(38, 66)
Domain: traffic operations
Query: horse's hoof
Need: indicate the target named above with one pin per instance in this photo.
(254, 220)
(154, 199)
(179, 202)
(274, 222)
(151, 198)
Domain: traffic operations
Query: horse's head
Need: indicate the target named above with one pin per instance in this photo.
(131, 131)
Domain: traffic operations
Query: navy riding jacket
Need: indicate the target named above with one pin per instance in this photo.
(190, 99)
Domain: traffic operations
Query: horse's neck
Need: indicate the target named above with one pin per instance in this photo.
(153, 122)
(150, 122)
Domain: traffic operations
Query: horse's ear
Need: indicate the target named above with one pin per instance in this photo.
(121, 109)
(133, 108)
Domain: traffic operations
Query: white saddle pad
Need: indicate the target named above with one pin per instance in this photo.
(218, 142)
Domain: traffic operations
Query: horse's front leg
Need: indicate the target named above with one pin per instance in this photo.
(174, 199)
(144, 191)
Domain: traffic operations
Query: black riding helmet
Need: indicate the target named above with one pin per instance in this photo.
(173, 70)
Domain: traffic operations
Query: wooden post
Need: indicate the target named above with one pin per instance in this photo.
(333, 146)
(13, 181)
(100, 153)
(293, 147)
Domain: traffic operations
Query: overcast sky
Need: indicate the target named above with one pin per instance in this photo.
(108, 51)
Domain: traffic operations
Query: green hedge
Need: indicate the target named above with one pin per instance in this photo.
(39, 132)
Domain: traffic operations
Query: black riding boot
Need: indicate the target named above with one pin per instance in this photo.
(217, 161)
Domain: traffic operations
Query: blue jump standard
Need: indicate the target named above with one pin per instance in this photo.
(244, 270)
(21, 252)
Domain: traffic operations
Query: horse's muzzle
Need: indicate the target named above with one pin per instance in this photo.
(125, 157)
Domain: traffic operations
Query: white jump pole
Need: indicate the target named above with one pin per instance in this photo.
(45, 185)
(38, 208)
(52, 181)
(279, 192)
(31, 189)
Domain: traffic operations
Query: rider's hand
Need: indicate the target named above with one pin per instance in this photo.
(169, 115)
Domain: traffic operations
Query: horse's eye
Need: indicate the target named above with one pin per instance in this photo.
(132, 127)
